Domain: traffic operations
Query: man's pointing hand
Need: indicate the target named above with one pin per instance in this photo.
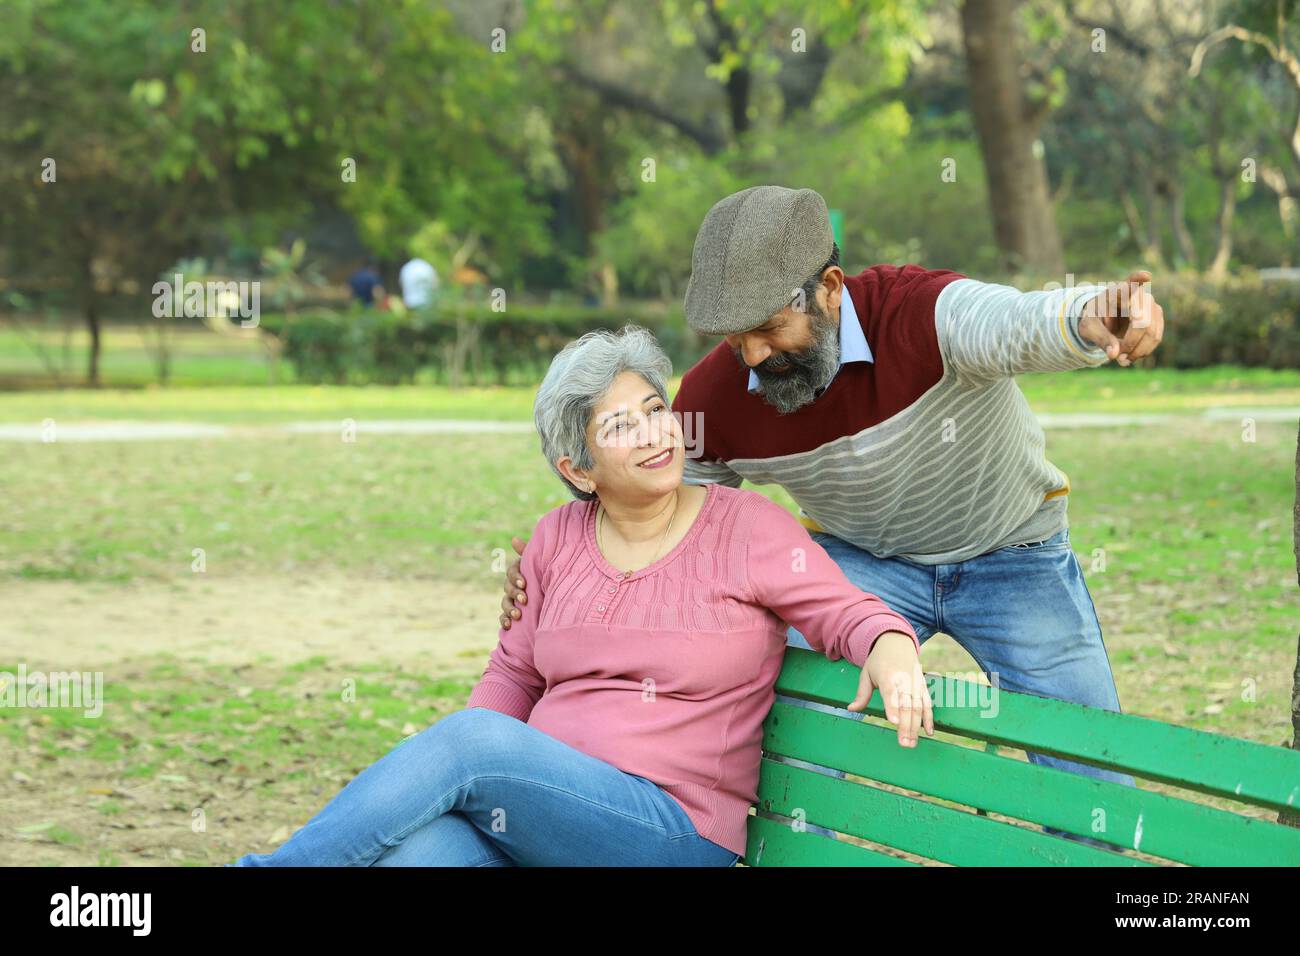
(1124, 319)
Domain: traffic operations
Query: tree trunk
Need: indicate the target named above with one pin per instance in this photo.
(1145, 237)
(739, 80)
(1292, 817)
(1155, 235)
(1023, 220)
(1227, 207)
(1275, 180)
(738, 84)
(801, 76)
(91, 311)
(585, 160)
(1178, 220)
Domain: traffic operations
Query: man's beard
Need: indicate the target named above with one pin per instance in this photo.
(808, 371)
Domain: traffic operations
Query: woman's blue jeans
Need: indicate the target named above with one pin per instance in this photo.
(480, 788)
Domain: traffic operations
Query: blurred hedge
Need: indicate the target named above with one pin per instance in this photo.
(1243, 321)
(462, 345)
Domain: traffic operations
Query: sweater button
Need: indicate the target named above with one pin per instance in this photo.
(612, 589)
(600, 607)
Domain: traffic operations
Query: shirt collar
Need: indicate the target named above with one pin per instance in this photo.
(853, 342)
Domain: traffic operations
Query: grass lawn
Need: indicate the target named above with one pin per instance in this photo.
(222, 380)
(129, 355)
(1182, 527)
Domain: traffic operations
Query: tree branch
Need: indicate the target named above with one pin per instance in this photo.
(1277, 51)
(1125, 39)
(708, 139)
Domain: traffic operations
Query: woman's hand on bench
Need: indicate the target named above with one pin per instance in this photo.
(894, 666)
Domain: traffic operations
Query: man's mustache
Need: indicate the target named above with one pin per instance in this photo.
(775, 363)
(784, 361)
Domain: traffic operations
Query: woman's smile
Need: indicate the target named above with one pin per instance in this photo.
(665, 457)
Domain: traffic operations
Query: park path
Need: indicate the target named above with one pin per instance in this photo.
(172, 431)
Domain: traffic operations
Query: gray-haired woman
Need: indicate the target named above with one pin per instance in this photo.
(619, 720)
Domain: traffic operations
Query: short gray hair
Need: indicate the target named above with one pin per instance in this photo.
(578, 379)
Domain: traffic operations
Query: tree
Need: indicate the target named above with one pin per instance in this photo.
(1008, 125)
(676, 81)
(1280, 48)
(1292, 818)
(134, 133)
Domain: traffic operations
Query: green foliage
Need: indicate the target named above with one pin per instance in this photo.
(156, 139)
(1242, 321)
(652, 231)
(465, 343)
(291, 275)
(892, 195)
(527, 164)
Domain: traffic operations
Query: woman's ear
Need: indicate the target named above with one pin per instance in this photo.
(575, 476)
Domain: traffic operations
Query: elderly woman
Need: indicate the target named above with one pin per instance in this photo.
(619, 720)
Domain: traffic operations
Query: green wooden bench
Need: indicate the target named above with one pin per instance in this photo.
(1165, 827)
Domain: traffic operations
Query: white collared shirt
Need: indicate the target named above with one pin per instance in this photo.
(853, 342)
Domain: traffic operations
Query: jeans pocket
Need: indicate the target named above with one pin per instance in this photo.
(675, 821)
(679, 826)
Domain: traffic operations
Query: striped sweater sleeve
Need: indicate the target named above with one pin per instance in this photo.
(703, 466)
(794, 577)
(989, 331)
(700, 471)
(511, 684)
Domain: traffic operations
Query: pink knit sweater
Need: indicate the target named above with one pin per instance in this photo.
(668, 672)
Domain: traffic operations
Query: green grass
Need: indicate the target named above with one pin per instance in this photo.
(224, 380)
(410, 505)
(1183, 527)
(1183, 530)
(1168, 503)
(289, 736)
(253, 406)
(128, 357)
(164, 715)
(1162, 391)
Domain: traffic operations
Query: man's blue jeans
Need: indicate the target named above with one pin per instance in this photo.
(1023, 613)
(480, 788)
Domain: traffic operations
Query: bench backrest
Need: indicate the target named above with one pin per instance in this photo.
(947, 773)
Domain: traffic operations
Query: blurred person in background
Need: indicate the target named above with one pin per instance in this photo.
(419, 282)
(366, 284)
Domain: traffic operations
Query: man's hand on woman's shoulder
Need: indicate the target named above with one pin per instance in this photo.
(514, 585)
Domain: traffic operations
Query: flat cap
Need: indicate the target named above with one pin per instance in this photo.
(754, 249)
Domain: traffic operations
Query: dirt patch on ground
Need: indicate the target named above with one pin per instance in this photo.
(63, 625)
(78, 810)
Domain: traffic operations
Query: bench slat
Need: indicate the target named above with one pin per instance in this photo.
(1155, 823)
(774, 843)
(917, 826)
(1210, 763)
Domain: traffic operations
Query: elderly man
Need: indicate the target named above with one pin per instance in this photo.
(886, 405)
